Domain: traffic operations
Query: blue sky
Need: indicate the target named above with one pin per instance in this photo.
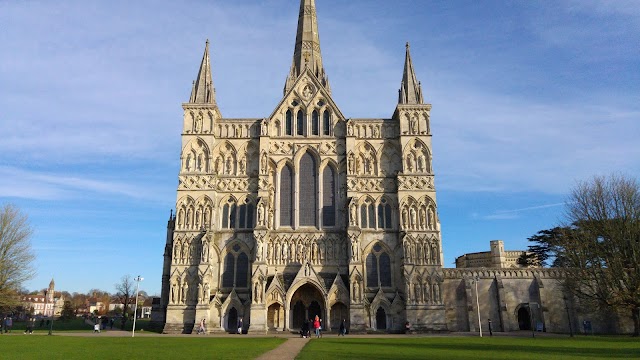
(528, 97)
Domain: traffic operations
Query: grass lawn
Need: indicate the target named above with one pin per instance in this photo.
(72, 347)
(472, 348)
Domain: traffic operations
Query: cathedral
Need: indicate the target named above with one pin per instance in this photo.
(308, 212)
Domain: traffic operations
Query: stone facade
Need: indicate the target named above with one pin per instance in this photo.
(306, 212)
(496, 258)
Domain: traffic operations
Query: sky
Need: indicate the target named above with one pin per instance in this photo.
(528, 98)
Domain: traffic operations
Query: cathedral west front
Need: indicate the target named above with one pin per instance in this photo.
(309, 212)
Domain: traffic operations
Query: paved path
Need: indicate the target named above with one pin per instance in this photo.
(287, 351)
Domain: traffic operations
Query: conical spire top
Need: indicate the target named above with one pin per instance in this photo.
(410, 88)
(307, 49)
(203, 91)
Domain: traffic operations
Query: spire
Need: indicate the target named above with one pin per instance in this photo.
(202, 91)
(52, 284)
(307, 49)
(410, 89)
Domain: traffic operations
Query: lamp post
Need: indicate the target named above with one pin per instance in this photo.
(135, 310)
(566, 307)
(53, 314)
(476, 278)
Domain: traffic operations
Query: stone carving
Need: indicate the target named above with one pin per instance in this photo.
(415, 183)
(281, 148)
(317, 250)
(417, 158)
(411, 209)
(195, 157)
(371, 184)
(421, 251)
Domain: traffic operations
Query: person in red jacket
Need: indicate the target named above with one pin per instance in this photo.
(316, 326)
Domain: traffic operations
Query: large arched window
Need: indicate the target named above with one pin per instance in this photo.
(289, 123)
(236, 268)
(300, 123)
(286, 196)
(315, 123)
(328, 197)
(308, 191)
(326, 122)
(384, 215)
(378, 265)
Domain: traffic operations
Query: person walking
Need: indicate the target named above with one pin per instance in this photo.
(202, 328)
(343, 328)
(240, 325)
(316, 326)
(8, 324)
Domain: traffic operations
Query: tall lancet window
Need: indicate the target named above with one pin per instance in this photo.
(289, 123)
(315, 123)
(308, 203)
(326, 123)
(300, 123)
(328, 197)
(286, 196)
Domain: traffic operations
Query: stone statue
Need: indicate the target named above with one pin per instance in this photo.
(263, 164)
(423, 219)
(261, 214)
(228, 165)
(185, 287)
(218, 164)
(270, 221)
(412, 214)
(205, 252)
(405, 218)
(264, 126)
(354, 213)
(174, 294)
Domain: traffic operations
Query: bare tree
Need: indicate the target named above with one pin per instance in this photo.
(125, 292)
(16, 255)
(603, 247)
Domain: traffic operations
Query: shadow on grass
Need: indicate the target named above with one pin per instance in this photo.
(467, 348)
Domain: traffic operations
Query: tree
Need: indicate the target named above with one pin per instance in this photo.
(548, 249)
(602, 247)
(16, 255)
(67, 312)
(125, 292)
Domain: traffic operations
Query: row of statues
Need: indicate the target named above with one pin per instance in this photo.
(316, 251)
(191, 252)
(194, 218)
(185, 294)
(421, 252)
(423, 293)
(415, 217)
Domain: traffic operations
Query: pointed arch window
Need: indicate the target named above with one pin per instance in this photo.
(289, 123)
(367, 215)
(300, 123)
(308, 191)
(384, 215)
(229, 215)
(328, 197)
(326, 122)
(236, 268)
(286, 196)
(315, 123)
(246, 215)
(378, 265)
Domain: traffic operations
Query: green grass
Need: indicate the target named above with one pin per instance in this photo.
(73, 347)
(472, 348)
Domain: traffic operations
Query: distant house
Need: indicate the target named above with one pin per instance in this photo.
(44, 303)
(496, 258)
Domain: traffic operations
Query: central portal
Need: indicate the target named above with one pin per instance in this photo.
(306, 303)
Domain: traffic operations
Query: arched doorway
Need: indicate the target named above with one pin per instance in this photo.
(274, 317)
(339, 312)
(306, 303)
(232, 320)
(381, 319)
(524, 318)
